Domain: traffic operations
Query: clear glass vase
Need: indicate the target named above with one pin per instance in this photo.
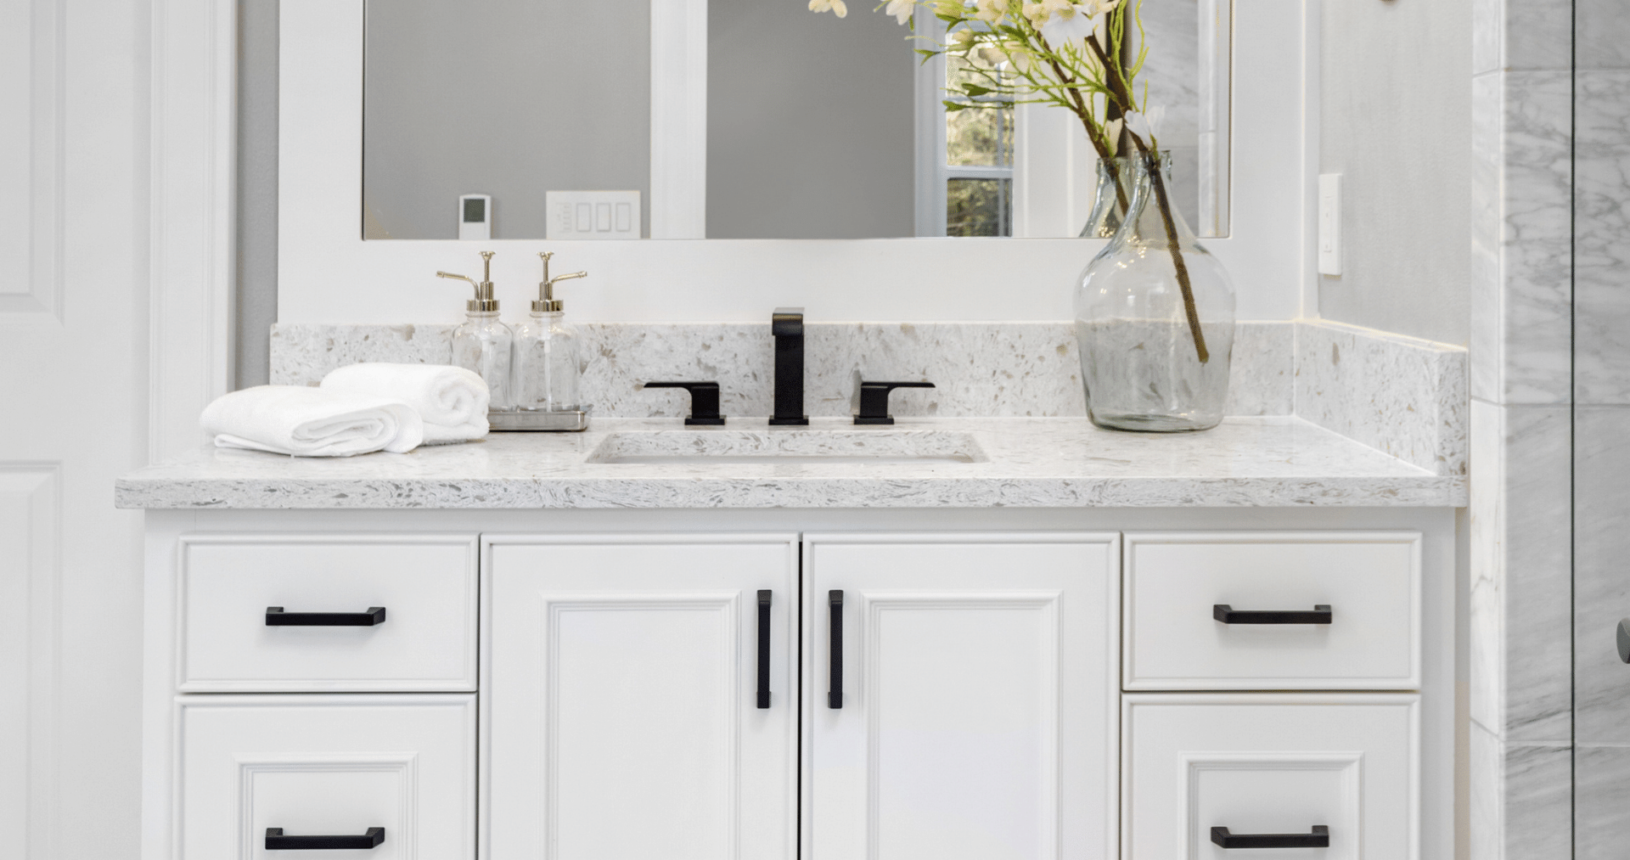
(1155, 328)
(1117, 180)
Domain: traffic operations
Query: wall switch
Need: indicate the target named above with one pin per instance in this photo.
(593, 214)
(475, 217)
(1330, 224)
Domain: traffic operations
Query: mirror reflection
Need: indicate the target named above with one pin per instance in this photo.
(548, 119)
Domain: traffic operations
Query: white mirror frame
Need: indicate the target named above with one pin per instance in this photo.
(328, 274)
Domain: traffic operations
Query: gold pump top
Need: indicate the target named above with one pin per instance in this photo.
(484, 301)
(546, 301)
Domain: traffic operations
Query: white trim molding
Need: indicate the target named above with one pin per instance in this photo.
(193, 255)
(31, 84)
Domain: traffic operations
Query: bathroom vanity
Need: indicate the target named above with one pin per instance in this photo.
(949, 638)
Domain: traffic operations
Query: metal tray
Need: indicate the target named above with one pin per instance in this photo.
(538, 422)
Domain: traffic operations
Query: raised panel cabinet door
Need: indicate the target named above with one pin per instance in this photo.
(336, 766)
(969, 710)
(621, 682)
(1332, 776)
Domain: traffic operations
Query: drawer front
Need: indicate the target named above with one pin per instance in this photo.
(328, 766)
(1270, 769)
(425, 641)
(1370, 582)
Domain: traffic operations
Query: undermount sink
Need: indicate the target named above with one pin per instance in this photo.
(789, 447)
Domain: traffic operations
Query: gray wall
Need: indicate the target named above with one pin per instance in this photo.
(257, 189)
(810, 122)
(1396, 120)
(505, 98)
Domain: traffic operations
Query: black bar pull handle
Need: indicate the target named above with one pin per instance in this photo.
(834, 689)
(276, 617)
(276, 841)
(1318, 838)
(764, 648)
(1321, 614)
(1623, 637)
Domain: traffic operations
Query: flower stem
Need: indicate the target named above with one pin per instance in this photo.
(1157, 178)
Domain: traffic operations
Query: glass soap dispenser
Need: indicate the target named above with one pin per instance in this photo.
(546, 354)
(483, 343)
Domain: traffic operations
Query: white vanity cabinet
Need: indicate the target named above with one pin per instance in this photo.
(621, 681)
(990, 685)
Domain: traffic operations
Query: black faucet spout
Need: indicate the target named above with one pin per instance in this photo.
(787, 325)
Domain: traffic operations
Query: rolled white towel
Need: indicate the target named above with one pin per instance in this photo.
(451, 400)
(311, 422)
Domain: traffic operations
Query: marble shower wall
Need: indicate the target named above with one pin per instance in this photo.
(1601, 392)
(1521, 613)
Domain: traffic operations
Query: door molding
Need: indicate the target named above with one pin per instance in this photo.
(192, 247)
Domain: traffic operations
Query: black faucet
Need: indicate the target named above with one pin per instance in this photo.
(787, 324)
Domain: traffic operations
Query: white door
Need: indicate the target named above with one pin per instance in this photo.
(621, 684)
(969, 709)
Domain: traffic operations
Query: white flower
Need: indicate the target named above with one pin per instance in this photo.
(1067, 26)
(1146, 125)
(901, 9)
(836, 7)
(1112, 134)
(991, 11)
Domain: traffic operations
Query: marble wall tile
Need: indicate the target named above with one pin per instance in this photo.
(1521, 595)
(1521, 290)
(1521, 800)
(1400, 395)
(1601, 537)
(1602, 234)
(1522, 34)
(1602, 802)
(982, 369)
(1603, 40)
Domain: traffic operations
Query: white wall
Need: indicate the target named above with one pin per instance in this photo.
(1396, 123)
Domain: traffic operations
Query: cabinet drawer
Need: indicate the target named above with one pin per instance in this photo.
(335, 766)
(1180, 637)
(425, 642)
(1270, 765)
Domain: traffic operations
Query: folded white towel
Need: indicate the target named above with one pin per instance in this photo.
(451, 400)
(311, 422)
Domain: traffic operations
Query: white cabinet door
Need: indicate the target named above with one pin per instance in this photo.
(1269, 769)
(327, 766)
(978, 697)
(621, 679)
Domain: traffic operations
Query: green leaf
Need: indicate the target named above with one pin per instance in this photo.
(953, 107)
(976, 90)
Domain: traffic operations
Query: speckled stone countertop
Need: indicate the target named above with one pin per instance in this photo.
(1279, 461)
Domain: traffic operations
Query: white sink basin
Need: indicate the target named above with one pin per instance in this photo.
(789, 447)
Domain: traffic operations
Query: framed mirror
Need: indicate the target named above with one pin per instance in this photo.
(744, 119)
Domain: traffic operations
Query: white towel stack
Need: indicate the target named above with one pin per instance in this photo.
(451, 400)
(311, 422)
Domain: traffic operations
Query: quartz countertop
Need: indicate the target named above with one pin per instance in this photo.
(1277, 461)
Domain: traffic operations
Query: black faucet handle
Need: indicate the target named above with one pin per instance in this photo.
(874, 400)
(704, 401)
(787, 322)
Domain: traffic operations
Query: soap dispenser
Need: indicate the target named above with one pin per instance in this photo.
(483, 343)
(546, 353)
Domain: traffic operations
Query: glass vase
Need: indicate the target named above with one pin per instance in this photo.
(1116, 184)
(1154, 317)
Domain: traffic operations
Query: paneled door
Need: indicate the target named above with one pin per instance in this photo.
(960, 697)
(639, 699)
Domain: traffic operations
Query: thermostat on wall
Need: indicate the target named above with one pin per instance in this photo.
(475, 217)
(593, 214)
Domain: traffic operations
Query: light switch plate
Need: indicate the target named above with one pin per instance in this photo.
(1330, 224)
(593, 214)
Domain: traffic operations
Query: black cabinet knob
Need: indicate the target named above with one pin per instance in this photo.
(874, 400)
(704, 401)
(1624, 640)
